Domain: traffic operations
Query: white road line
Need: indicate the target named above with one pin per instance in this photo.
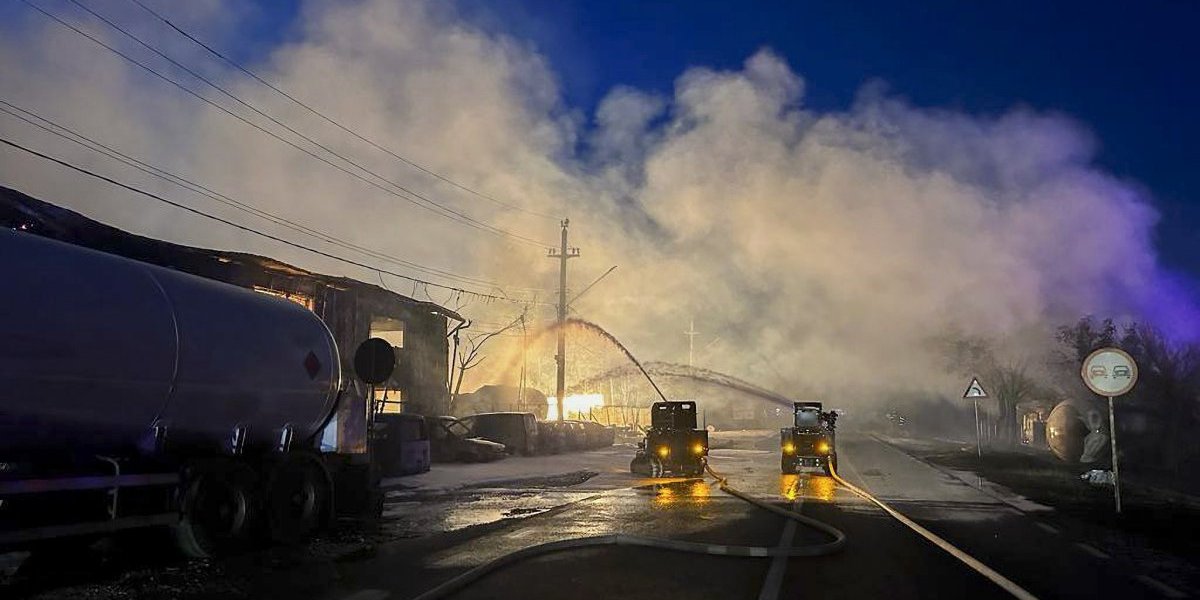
(774, 580)
(1094, 551)
(367, 595)
(1048, 528)
(1162, 588)
(1005, 583)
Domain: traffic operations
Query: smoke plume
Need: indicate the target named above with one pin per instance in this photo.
(815, 250)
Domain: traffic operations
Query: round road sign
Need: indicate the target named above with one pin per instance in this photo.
(1109, 372)
(374, 361)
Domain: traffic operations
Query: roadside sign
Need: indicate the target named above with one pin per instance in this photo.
(1109, 372)
(974, 393)
(975, 390)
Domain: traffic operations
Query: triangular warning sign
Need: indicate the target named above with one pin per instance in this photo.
(975, 390)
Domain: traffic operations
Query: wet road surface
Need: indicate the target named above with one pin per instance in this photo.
(882, 557)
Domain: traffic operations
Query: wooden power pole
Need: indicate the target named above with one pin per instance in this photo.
(562, 253)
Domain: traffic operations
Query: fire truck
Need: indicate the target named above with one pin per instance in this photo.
(810, 441)
(673, 444)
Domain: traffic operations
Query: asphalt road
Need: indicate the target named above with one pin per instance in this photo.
(882, 557)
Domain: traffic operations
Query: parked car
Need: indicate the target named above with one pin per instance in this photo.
(576, 435)
(552, 437)
(452, 441)
(403, 444)
(599, 435)
(593, 433)
(517, 431)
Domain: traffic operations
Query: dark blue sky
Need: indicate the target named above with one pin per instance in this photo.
(1127, 70)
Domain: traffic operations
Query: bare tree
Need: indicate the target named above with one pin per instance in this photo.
(467, 356)
(1168, 388)
(1011, 384)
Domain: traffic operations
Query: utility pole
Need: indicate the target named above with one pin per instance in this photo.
(524, 363)
(691, 333)
(562, 254)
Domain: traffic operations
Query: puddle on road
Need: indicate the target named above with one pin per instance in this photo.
(450, 512)
(693, 492)
(808, 487)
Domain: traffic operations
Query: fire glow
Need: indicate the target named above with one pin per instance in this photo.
(575, 405)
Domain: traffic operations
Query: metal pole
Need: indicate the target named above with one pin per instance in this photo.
(978, 444)
(561, 357)
(524, 363)
(691, 333)
(1112, 436)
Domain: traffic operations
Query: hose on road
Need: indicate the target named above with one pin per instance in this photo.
(1007, 584)
(834, 545)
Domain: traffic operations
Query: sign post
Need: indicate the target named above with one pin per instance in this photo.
(975, 392)
(1111, 372)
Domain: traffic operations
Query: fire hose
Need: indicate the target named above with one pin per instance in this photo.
(1007, 584)
(839, 540)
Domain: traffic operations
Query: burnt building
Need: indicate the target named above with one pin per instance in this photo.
(352, 310)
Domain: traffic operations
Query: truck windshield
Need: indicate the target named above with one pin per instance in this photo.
(806, 417)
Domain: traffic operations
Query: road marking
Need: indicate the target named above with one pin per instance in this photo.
(1094, 551)
(1163, 588)
(1007, 584)
(367, 595)
(1048, 528)
(774, 580)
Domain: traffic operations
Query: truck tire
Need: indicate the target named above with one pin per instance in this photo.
(217, 510)
(787, 467)
(657, 469)
(640, 465)
(298, 491)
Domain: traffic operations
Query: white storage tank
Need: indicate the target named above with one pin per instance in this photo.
(97, 350)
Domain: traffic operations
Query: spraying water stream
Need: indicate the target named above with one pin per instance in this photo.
(594, 328)
(665, 369)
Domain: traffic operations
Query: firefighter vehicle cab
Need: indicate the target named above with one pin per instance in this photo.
(673, 444)
(810, 441)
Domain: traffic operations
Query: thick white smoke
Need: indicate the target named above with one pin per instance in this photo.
(823, 249)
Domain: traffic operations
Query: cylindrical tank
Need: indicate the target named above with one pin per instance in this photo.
(1068, 428)
(97, 350)
(1065, 431)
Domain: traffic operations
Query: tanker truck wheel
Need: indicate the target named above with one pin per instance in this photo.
(217, 510)
(298, 494)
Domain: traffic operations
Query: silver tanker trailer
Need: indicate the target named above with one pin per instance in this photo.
(133, 395)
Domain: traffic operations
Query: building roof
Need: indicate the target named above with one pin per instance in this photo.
(24, 212)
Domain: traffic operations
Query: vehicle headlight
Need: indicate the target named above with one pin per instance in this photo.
(823, 447)
(698, 449)
(664, 451)
(789, 448)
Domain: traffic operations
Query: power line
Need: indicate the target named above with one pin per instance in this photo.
(193, 73)
(196, 211)
(75, 137)
(408, 195)
(334, 122)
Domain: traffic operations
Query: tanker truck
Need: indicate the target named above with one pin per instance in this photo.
(133, 395)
